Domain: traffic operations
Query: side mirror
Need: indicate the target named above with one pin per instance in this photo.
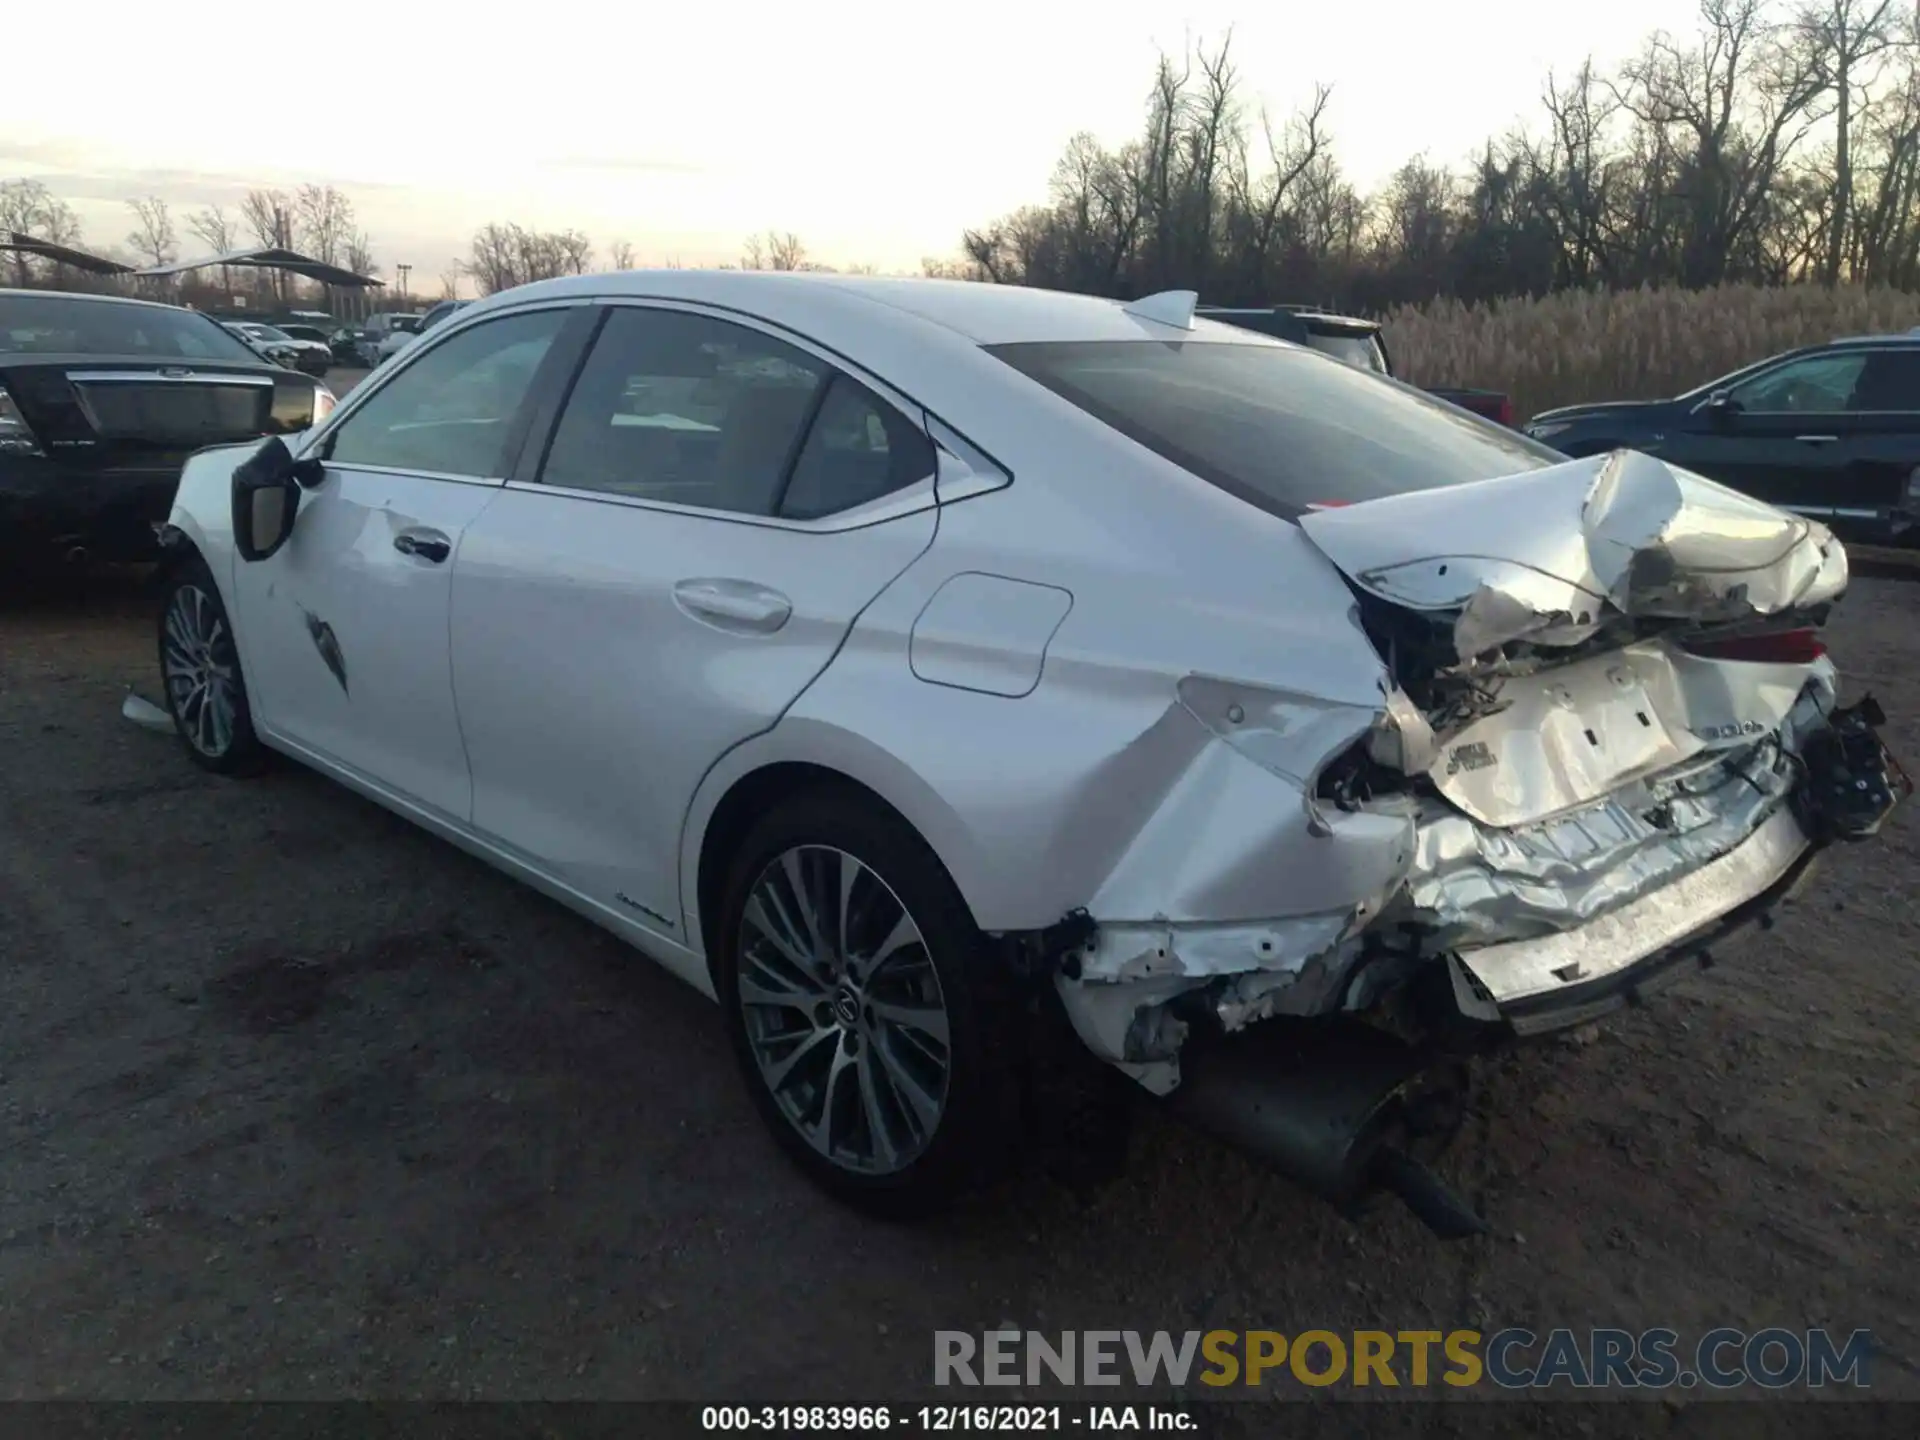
(266, 498)
(1720, 406)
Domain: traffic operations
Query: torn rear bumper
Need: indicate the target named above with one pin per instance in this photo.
(1566, 979)
(1577, 974)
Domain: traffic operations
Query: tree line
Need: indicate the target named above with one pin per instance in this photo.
(1778, 141)
(1775, 142)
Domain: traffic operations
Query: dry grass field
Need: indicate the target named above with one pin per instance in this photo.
(1627, 345)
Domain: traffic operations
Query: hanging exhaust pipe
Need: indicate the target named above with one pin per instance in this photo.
(1320, 1102)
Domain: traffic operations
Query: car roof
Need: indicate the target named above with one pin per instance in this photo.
(978, 311)
(1908, 337)
(17, 293)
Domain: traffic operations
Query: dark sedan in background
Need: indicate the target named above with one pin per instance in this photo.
(102, 400)
(1831, 431)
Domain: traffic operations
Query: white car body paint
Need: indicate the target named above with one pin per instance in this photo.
(1087, 677)
(987, 633)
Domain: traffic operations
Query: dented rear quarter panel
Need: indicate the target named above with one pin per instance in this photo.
(1098, 787)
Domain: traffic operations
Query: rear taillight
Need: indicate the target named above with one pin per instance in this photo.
(1504, 413)
(1788, 647)
(16, 437)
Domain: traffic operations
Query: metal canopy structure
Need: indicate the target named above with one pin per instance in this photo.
(65, 255)
(271, 258)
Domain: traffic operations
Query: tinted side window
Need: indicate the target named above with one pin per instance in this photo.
(687, 409)
(859, 449)
(1814, 385)
(449, 411)
(1890, 381)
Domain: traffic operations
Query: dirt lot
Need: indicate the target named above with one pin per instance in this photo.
(298, 1102)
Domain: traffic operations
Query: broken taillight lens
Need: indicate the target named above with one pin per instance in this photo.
(1785, 647)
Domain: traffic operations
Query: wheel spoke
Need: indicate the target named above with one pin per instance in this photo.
(925, 1107)
(762, 907)
(879, 1123)
(222, 717)
(903, 935)
(792, 863)
(777, 1072)
(821, 1131)
(780, 993)
(928, 1020)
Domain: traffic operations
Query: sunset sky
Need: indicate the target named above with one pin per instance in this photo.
(874, 132)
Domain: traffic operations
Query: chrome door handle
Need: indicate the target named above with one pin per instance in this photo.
(1817, 439)
(733, 604)
(428, 545)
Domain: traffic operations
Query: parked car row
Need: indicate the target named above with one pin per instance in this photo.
(308, 352)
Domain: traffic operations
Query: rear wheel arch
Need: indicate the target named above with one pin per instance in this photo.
(756, 793)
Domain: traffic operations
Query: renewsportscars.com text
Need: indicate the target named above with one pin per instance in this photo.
(1512, 1359)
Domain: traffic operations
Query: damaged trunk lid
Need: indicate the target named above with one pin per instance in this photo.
(1557, 633)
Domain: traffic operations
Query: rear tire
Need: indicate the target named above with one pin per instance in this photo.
(206, 691)
(872, 1024)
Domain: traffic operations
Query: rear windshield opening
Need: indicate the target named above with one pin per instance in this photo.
(1280, 427)
(64, 325)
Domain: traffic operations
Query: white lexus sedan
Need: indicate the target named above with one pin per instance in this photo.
(904, 663)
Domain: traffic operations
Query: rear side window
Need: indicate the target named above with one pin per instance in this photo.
(690, 410)
(1890, 381)
(60, 325)
(859, 449)
(1283, 429)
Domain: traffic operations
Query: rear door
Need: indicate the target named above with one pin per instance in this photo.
(664, 575)
(344, 631)
(1883, 447)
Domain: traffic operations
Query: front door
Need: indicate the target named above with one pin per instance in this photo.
(716, 508)
(344, 630)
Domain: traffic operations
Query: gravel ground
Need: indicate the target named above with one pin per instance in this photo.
(299, 1102)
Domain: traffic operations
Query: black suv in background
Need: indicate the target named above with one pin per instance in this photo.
(1350, 339)
(1831, 431)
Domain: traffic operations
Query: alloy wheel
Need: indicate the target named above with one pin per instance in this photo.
(843, 1010)
(201, 670)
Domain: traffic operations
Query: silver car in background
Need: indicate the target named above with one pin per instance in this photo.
(951, 677)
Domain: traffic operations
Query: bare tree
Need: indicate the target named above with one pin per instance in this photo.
(1842, 40)
(152, 237)
(574, 251)
(269, 218)
(358, 254)
(214, 228)
(450, 281)
(29, 208)
(503, 256)
(620, 255)
(774, 250)
(323, 221)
